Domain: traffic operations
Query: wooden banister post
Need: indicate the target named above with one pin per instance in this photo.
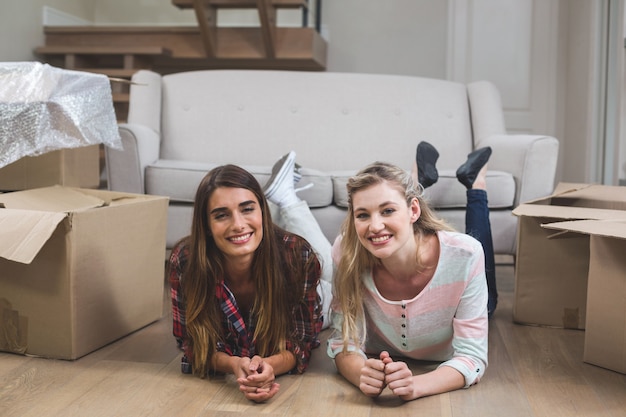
(267, 18)
(207, 21)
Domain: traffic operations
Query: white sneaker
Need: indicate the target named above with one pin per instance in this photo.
(279, 189)
(297, 175)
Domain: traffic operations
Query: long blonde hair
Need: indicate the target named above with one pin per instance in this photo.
(279, 284)
(356, 260)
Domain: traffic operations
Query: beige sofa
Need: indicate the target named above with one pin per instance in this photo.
(181, 125)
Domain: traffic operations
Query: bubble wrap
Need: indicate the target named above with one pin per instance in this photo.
(43, 108)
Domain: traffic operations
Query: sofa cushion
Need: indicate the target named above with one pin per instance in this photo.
(340, 193)
(447, 192)
(177, 179)
(321, 193)
(180, 180)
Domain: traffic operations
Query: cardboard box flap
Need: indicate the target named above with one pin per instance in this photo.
(53, 199)
(560, 189)
(594, 196)
(568, 187)
(585, 195)
(24, 232)
(607, 228)
(567, 213)
(111, 198)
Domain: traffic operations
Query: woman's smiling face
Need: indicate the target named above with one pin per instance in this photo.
(236, 222)
(383, 222)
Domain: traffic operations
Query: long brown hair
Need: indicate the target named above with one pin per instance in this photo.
(356, 260)
(276, 280)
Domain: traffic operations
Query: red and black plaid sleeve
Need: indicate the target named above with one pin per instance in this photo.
(178, 259)
(307, 313)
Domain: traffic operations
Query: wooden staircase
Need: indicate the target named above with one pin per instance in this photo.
(206, 15)
(119, 63)
(119, 52)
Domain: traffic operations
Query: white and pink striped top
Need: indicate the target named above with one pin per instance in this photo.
(446, 322)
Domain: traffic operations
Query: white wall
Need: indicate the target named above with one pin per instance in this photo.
(589, 104)
(141, 12)
(513, 44)
(162, 12)
(406, 37)
(21, 24)
(577, 102)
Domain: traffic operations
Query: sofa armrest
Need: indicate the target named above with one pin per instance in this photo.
(126, 168)
(531, 159)
(145, 103)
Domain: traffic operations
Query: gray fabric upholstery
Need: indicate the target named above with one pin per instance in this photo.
(182, 125)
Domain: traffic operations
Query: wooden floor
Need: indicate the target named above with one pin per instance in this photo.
(533, 371)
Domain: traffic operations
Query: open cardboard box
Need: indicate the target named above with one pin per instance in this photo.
(605, 333)
(79, 268)
(72, 167)
(52, 123)
(552, 266)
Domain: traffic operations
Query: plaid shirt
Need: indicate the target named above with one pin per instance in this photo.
(237, 333)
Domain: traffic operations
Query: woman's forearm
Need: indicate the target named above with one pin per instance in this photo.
(224, 363)
(442, 379)
(349, 365)
(282, 362)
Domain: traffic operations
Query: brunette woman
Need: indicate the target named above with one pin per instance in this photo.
(245, 292)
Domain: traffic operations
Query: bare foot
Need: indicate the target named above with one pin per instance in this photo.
(480, 183)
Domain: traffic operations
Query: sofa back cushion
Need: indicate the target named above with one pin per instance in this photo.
(334, 121)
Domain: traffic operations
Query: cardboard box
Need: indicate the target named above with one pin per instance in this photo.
(48, 109)
(551, 266)
(73, 167)
(605, 333)
(79, 268)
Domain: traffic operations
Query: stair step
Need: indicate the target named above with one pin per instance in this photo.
(243, 4)
(297, 48)
(102, 50)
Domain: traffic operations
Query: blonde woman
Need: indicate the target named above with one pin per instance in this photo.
(408, 286)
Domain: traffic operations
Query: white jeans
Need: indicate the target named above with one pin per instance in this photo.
(298, 219)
